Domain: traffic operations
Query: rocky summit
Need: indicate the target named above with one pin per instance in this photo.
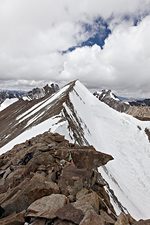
(47, 180)
(84, 120)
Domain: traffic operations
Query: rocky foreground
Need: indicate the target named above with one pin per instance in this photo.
(47, 180)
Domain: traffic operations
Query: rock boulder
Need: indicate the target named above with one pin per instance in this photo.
(47, 206)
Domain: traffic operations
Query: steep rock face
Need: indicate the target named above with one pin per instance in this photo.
(31, 184)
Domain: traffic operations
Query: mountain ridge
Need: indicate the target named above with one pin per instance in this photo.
(76, 113)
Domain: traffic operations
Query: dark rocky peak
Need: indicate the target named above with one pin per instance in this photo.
(108, 97)
(52, 88)
(37, 93)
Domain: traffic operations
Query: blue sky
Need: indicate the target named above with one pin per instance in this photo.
(97, 32)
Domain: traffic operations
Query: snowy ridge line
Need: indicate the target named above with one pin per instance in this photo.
(83, 117)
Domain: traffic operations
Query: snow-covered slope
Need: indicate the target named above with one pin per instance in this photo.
(7, 103)
(121, 136)
(82, 118)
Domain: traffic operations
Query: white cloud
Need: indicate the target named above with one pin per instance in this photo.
(124, 64)
(33, 32)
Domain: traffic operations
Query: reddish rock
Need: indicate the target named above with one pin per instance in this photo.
(13, 219)
(107, 218)
(90, 157)
(124, 219)
(91, 199)
(47, 206)
(57, 137)
(32, 190)
(70, 213)
(82, 193)
(91, 218)
(73, 178)
(34, 173)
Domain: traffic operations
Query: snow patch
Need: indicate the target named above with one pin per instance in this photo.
(7, 103)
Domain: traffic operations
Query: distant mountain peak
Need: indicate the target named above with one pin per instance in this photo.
(108, 97)
(105, 93)
(37, 93)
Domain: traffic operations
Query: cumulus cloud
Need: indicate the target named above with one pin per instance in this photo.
(123, 64)
(35, 32)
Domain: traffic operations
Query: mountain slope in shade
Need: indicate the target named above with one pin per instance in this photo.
(82, 118)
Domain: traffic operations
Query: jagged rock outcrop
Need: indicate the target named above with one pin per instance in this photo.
(44, 177)
(47, 180)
